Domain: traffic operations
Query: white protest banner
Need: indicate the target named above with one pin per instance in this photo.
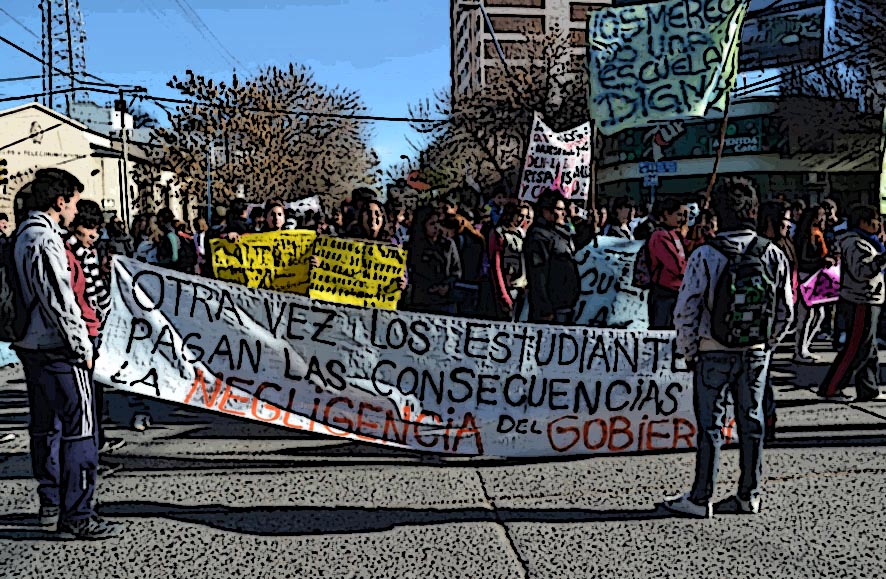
(662, 61)
(608, 297)
(560, 161)
(431, 383)
(883, 166)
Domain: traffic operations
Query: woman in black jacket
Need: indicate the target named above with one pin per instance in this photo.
(433, 265)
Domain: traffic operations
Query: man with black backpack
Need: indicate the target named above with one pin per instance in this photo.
(52, 341)
(734, 306)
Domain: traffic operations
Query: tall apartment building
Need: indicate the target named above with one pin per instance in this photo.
(473, 51)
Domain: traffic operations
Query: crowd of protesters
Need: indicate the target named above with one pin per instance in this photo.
(504, 260)
(509, 259)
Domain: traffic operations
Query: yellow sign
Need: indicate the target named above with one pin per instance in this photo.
(278, 261)
(357, 273)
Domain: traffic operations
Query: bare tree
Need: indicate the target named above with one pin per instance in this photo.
(858, 70)
(486, 132)
(278, 134)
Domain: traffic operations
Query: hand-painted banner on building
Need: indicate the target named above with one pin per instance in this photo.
(431, 383)
(662, 61)
(560, 161)
(608, 297)
(278, 261)
(357, 273)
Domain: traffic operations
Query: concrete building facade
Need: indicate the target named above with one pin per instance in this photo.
(474, 53)
(34, 137)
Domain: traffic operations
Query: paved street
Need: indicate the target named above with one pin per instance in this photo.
(204, 496)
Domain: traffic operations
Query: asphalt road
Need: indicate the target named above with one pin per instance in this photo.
(204, 496)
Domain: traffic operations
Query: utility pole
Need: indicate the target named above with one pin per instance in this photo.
(120, 106)
(69, 97)
(49, 53)
(209, 186)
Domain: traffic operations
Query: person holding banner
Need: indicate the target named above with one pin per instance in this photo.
(552, 271)
(620, 216)
(507, 261)
(371, 223)
(727, 328)
(433, 265)
(274, 216)
(862, 292)
(667, 262)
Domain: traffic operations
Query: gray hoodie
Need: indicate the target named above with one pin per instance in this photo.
(692, 315)
(56, 320)
(861, 270)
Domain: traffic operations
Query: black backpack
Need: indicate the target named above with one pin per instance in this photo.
(14, 315)
(743, 308)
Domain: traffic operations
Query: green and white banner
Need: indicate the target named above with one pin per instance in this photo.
(662, 61)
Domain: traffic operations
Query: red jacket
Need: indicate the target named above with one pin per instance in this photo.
(667, 258)
(78, 284)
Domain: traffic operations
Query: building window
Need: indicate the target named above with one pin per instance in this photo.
(517, 24)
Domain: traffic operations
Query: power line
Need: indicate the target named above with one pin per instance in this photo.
(198, 23)
(771, 82)
(290, 112)
(35, 95)
(15, 78)
(33, 56)
(30, 136)
(14, 19)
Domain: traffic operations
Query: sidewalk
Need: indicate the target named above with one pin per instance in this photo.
(205, 495)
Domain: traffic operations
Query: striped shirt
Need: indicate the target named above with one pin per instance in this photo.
(97, 293)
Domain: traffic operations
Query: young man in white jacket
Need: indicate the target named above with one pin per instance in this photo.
(742, 367)
(57, 356)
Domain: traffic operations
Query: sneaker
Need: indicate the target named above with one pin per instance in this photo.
(682, 505)
(838, 395)
(877, 398)
(736, 506)
(49, 517)
(92, 529)
(111, 444)
(8, 437)
(806, 358)
(141, 422)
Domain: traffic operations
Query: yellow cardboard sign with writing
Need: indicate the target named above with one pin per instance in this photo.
(278, 261)
(358, 273)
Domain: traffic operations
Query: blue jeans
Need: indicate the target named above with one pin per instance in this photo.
(660, 304)
(63, 429)
(744, 374)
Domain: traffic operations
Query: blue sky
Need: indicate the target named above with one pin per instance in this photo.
(394, 52)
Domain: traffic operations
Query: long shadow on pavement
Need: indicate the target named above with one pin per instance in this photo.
(336, 520)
